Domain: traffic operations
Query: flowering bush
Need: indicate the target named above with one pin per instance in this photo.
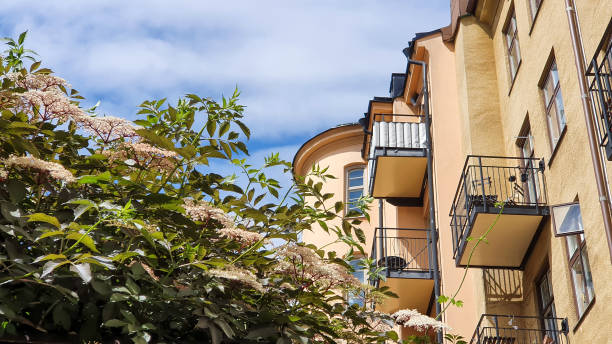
(119, 230)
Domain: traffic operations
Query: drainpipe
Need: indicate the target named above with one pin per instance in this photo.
(598, 167)
(432, 210)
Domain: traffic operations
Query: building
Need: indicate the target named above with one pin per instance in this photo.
(520, 101)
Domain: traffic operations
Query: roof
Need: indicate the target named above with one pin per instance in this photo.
(397, 85)
(339, 126)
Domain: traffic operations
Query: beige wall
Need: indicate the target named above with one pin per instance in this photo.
(570, 174)
(476, 109)
(449, 156)
(338, 149)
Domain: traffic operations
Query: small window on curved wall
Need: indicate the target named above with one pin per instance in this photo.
(354, 187)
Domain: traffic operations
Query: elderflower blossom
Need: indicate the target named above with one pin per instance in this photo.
(417, 321)
(3, 174)
(48, 105)
(108, 128)
(233, 273)
(304, 264)
(144, 155)
(55, 170)
(203, 211)
(242, 236)
(38, 81)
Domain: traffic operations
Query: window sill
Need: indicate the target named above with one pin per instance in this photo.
(584, 315)
(518, 68)
(556, 147)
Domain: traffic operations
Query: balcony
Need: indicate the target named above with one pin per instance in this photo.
(600, 86)
(397, 162)
(510, 329)
(486, 183)
(406, 258)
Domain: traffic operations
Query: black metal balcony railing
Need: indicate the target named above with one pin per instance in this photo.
(487, 180)
(405, 252)
(510, 329)
(600, 75)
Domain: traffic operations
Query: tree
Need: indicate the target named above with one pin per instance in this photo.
(111, 229)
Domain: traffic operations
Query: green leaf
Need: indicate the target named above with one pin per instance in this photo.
(338, 206)
(40, 217)
(61, 317)
(50, 266)
(17, 190)
(49, 257)
(50, 234)
(157, 140)
(114, 323)
(103, 177)
(34, 66)
(84, 239)
(83, 270)
(22, 37)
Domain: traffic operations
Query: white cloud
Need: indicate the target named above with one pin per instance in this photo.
(303, 66)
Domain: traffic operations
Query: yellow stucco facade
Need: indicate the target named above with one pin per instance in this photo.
(480, 106)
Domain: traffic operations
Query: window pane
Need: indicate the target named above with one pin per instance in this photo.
(356, 174)
(554, 74)
(587, 275)
(560, 110)
(578, 277)
(359, 273)
(567, 219)
(516, 52)
(573, 242)
(545, 292)
(553, 125)
(548, 91)
(354, 195)
(357, 182)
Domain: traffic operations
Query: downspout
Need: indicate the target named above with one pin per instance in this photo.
(432, 210)
(598, 167)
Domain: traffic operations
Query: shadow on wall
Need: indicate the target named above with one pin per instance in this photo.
(503, 285)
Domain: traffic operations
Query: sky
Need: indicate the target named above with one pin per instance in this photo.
(301, 66)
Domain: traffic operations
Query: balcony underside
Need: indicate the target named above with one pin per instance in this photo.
(508, 243)
(399, 174)
(413, 294)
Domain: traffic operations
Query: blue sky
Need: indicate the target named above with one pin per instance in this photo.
(302, 66)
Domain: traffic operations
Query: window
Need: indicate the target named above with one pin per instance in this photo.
(546, 305)
(360, 274)
(354, 187)
(555, 112)
(581, 272)
(512, 44)
(567, 221)
(529, 177)
(534, 6)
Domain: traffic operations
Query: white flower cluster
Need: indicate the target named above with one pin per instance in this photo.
(144, 155)
(38, 81)
(107, 128)
(55, 170)
(243, 276)
(203, 211)
(246, 238)
(305, 265)
(44, 99)
(417, 321)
